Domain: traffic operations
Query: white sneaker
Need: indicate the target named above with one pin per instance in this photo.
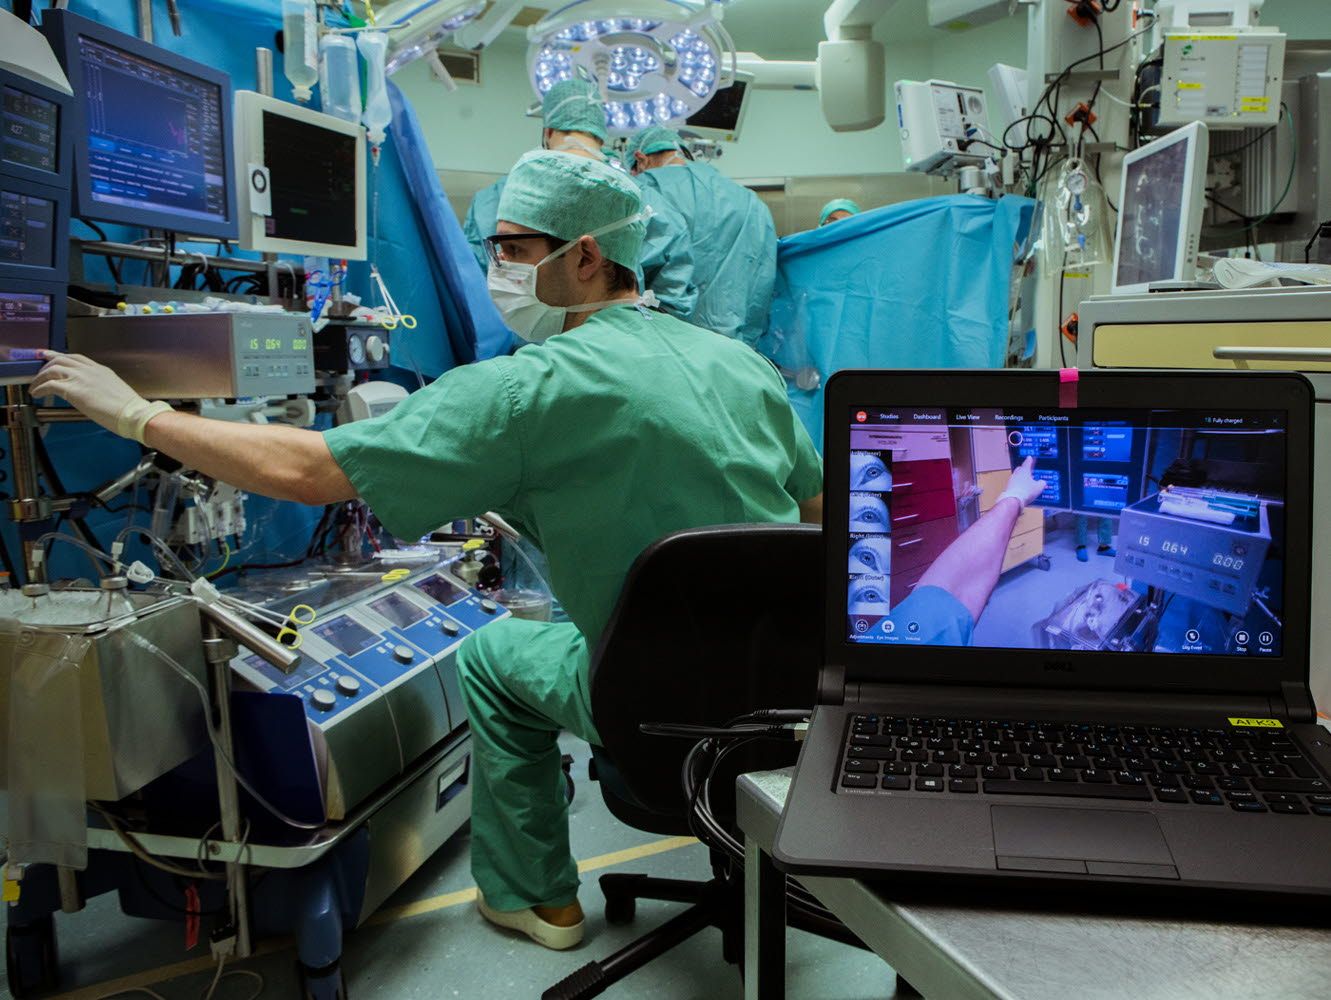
(542, 932)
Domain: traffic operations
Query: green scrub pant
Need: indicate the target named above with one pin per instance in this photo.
(523, 682)
(1104, 531)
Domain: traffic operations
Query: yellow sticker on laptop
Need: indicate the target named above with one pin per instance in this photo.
(1257, 723)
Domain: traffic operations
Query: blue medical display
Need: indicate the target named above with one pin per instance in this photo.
(1163, 530)
(25, 327)
(29, 131)
(346, 635)
(27, 229)
(156, 137)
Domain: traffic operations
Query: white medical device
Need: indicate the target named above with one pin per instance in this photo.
(370, 399)
(1161, 201)
(301, 179)
(943, 126)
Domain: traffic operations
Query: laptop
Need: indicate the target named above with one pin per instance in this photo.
(1067, 634)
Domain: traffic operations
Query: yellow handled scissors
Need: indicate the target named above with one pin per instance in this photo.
(301, 614)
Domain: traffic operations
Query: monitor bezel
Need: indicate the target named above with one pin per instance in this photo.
(60, 179)
(722, 134)
(1290, 393)
(250, 108)
(1190, 212)
(18, 372)
(63, 29)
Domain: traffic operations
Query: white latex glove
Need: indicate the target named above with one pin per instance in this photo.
(1023, 486)
(97, 392)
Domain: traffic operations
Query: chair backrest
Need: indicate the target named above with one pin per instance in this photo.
(711, 623)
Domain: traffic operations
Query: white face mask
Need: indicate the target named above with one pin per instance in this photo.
(572, 144)
(513, 288)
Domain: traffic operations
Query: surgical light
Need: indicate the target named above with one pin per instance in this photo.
(654, 61)
(417, 27)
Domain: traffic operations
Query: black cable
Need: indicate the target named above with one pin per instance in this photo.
(111, 263)
(1062, 350)
(1322, 228)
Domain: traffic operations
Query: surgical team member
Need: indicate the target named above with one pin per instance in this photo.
(623, 426)
(731, 232)
(574, 120)
(836, 210)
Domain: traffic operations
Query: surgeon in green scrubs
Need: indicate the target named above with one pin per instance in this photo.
(617, 425)
(575, 123)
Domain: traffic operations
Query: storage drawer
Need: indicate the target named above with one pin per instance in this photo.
(919, 545)
(904, 583)
(921, 477)
(992, 484)
(916, 508)
(1030, 519)
(1192, 345)
(1023, 547)
(906, 445)
(991, 449)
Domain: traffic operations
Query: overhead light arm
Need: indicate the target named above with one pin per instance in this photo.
(854, 20)
(484, 31)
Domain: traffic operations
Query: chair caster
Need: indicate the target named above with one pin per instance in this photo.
(321, 984)
(619, 909)
(31, 957)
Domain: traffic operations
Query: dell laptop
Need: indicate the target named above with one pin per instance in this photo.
(1067, 634)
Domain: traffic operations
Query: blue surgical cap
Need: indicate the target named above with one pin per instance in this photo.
(569, 196)
(653, 139)
(838, 205)
(575, 106)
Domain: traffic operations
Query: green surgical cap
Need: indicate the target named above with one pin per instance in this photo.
(653, 139)
(569, 196)
(575, 106)
(839, 205)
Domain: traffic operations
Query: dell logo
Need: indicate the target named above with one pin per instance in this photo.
(1064, 666)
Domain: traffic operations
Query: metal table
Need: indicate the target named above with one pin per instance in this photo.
(958, 952)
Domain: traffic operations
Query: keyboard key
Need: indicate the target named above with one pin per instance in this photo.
(1290, 785)
(1231, 784)
(1043, 760)
(872, 741)
(1289, 808)
(1097, 777)
(1196, 781)
(1241, 770)
(1176, 767)
(1300, 767)
(872, 753)
(977, 759)
(1273, 771)
(961, 771)
(928, 770)
(1321, 810)
(962, 785)
(1066, 789)
(1248, 807)
(1208, 798)
(1241, 796)
(859, 781)
(946, 757)
(995, 772)
(1281, 797)
(862, 766)
(915, 756)
(897, 768)
(1138, 764)
(896, 783)
(939, 743)
(1061, 774)
(1320, 800)
(1171, 794)
(1128, 778)
(1009, 760)
(1206, 767)
(1028, 774)
(928, 784)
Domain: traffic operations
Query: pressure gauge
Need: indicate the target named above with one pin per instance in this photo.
(355, 349)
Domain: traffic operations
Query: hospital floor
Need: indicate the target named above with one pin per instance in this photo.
(429, 942)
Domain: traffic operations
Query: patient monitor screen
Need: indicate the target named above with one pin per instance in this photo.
(25, 328)
(313, 176)
(1153, 193)
(1142, 530)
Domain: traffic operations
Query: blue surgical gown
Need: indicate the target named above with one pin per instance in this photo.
(733, 243)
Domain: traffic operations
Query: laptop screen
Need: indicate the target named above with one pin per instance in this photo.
(1132, 530)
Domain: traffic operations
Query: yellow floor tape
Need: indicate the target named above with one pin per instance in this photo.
(205, 964)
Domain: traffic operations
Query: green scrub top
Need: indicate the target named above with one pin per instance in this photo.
(594, 444)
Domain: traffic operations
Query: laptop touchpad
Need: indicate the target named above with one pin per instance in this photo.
(1096, 841)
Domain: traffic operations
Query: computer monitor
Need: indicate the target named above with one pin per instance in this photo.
(1179, 545)
(301, 179)
(152, 131)
(722, 117)
(1161, 202)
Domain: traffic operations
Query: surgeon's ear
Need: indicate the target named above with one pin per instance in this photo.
(640, 162)
(589, 258)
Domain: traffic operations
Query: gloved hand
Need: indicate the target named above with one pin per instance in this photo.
(97, 392)
(1023, 486)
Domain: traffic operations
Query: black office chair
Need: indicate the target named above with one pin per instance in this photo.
(712, 623)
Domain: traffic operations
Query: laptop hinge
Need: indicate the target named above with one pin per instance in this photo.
(832, 685)
(1298, 705)
(1055, 703)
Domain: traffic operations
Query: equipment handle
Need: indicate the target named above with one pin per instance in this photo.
(1314, 354)
(242, 632)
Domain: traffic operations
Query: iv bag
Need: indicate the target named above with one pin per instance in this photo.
(373, 47)
(300, 39)
(339, 77)
(1079, 216)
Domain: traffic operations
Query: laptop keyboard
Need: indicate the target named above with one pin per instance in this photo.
(1248, 770)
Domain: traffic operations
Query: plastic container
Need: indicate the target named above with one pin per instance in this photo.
(300, 58)
(378, 116)
(339, 77)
